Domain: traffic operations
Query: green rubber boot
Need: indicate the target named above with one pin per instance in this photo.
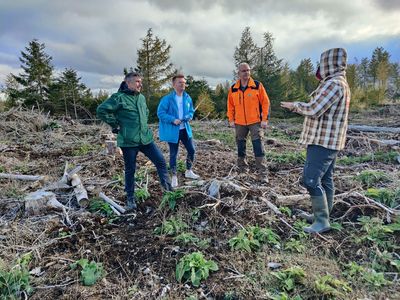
(321, 215)
(309, 218)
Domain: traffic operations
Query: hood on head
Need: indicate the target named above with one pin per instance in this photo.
(333, 62)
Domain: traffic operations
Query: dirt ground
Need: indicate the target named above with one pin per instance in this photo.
(140, 264)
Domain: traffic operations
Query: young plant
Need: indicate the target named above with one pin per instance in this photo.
(142, 194)
(289, 277)
(374, 231)
(194, 267)
(186, 238)
(171, 227)
(329, 287)
(294, 245)
(15, 282)
(180, 166)
(355, 272)
(286, 210)
(252, 238)
(97, 205)
(370, 178)
(388, 197)
(91, 271)
(170, 198)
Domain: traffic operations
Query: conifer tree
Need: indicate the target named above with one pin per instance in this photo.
(36, 78)
(153, 63)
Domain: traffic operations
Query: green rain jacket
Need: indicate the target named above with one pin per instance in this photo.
(127, 110)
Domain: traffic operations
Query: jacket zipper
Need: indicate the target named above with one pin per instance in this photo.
(244, 107)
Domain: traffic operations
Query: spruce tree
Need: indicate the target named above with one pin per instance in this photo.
(153, 62)
(36, 78)
(246, 52)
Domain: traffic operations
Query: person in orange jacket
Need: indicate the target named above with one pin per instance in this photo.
(248, 111)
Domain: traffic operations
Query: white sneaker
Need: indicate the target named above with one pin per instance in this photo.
(174, 181)
(191, 175)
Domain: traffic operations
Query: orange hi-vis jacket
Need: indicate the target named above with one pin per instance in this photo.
(248, 107)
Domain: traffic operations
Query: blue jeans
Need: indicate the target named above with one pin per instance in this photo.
(174, 148)
(318, 170)
(156, 157)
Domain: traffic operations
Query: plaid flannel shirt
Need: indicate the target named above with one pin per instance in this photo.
(325, 122)
(326, 114)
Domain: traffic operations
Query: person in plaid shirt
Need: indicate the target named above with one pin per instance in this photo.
(324, 133)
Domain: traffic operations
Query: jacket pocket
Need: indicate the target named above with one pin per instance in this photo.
(131, 132)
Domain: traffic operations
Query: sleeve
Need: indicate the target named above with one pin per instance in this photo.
(162, 110)
(230, 113)
(329, 94)
(265, 104)
(106, 111)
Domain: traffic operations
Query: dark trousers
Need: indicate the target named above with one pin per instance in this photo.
(241, 135)
(318, 171)
(156, 157)
(174, 149)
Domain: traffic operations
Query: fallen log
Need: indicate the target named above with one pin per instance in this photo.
(293, 199)
(112, 203)
(22, 177)
(367, 128)
(375, 141)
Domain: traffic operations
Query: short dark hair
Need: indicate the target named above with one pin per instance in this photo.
(130, 75)
(177, 76)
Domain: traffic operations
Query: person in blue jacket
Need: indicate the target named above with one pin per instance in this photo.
(174, 112)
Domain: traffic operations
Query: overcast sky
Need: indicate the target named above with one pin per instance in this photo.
(98, 38)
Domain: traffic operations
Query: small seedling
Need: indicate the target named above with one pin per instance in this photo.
(286, 210)
(288, 278)
(180, 166)
(370, 178)
(388, 197)
(328, 286)
(170, 198)
(252, 238)
(97, 205)
(194, 267)
(186, 238)
(294, 245)
(91, 271)
(15, 282)
(142, 194)
(172, 227)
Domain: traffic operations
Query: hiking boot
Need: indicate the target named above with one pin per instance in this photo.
(131, 203)
(190, 174)
(242, 164)
(321, 215)
(174, 181)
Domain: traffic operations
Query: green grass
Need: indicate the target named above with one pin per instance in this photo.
(287, 157)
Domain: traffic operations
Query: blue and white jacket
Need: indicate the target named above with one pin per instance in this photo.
(168, 111)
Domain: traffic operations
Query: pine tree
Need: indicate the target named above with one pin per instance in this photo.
(379, 65)
(153, 63)
(246, 52)
(36, 78)
(305, 77)
(195, 87)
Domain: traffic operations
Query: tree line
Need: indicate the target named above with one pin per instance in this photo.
(372, 80)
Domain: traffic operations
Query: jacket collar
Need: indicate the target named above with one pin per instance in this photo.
(250, 84)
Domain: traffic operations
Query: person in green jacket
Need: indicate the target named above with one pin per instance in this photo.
(127, 114)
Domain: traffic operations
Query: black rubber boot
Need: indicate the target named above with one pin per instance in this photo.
(321, 215)
(131, 203)
(309, 218)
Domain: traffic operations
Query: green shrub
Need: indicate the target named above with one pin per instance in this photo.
(194, 267)
(370, 178)
(330, 287)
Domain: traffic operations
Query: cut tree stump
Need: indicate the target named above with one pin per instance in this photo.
(37, 202)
